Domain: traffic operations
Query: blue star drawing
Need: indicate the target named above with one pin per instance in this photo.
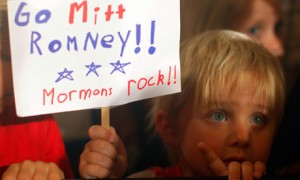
(92, 68)
(119, 66)
(65, 74)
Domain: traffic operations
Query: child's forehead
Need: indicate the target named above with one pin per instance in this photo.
(235, 90)
(237, 96)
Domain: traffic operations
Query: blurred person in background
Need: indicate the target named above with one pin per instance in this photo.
(30, 147)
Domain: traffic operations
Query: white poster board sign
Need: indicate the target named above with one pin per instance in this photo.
(82, 54)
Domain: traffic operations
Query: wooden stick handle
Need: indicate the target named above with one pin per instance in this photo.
(105, 117)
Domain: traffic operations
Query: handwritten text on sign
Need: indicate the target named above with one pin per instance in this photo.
(70, 55)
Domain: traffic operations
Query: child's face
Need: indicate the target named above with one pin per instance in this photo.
(263, 25)
(240, 130)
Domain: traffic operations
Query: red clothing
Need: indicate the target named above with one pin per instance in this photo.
(168, 172)
(31, 138)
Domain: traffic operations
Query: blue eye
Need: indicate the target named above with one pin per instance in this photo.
(258, 120)
(254, 30)
(218, 116)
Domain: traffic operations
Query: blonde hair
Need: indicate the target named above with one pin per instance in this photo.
(198, 16)
(216, 64)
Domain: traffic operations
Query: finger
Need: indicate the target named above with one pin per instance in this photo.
(54, 172)
(101, 147)
(11, 172)
(55, 176)
(26, 170)
(234, 170)
(98, 159)
(108, 147)
(40, 171)
(88, 171)
(117, 142)
(120, 163)
(99, 132)
(259, 169)
(247, 170)
(215, 164)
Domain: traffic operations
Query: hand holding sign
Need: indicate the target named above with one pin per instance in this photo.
(109, 161)
(89, 54)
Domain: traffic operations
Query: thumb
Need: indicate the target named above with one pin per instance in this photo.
(116, 141)
(121, 160)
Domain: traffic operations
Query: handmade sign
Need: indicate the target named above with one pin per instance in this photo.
(82, 54)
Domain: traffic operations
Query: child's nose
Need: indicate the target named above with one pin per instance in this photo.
(240, 134)
(274, 45)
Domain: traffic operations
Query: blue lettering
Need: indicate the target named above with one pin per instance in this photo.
(54, 46)
(107, 39)
(94, 41)
(34, 42)
(20, 14)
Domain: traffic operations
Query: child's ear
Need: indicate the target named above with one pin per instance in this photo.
(166, 128)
